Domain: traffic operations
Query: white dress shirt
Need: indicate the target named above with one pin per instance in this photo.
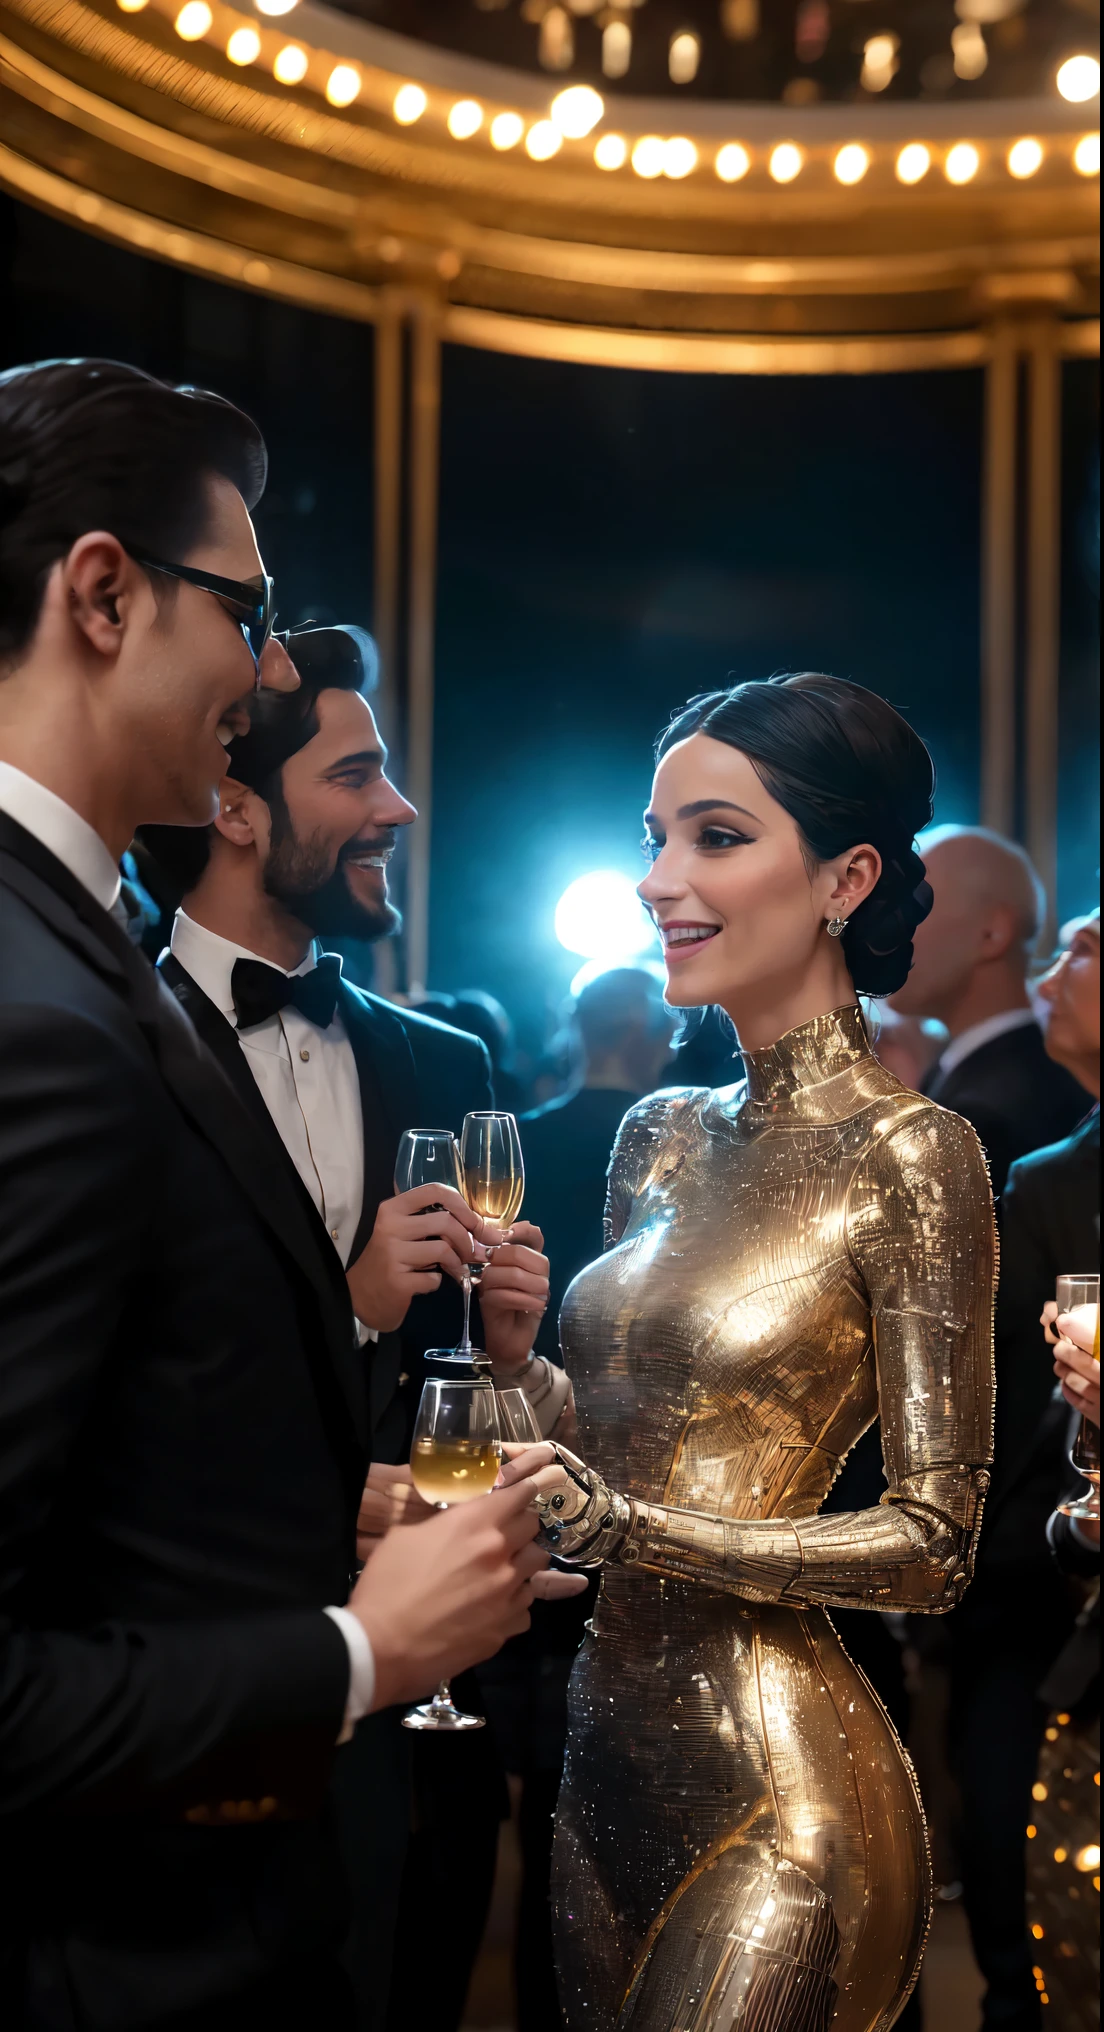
(54, 824)
(971, 1040)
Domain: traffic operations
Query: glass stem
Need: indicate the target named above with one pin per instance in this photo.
(465, 1346)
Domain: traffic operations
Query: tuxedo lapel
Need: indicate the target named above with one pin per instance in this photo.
(220, 1038)
(389, 1096)
(203, 1090)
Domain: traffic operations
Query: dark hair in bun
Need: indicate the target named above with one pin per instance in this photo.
(848, 769)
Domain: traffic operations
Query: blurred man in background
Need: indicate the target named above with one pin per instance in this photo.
(972, 956)
(623, 1031)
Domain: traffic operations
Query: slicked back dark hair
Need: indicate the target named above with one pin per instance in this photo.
(94, 444)
(342, 658)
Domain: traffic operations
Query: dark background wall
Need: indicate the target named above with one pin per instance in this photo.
(610, 543)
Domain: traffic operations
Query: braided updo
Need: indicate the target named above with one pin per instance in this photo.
(849, 770)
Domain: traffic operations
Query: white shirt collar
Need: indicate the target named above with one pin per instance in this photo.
(971, 1040)
(209, 960)
(58, 827)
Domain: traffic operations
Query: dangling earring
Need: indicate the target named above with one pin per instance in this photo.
(836, 927)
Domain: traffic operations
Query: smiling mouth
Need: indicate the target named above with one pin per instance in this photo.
(369, 857)
(680, 940)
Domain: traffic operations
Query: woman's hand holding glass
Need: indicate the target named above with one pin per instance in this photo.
(513, 1295)
(1075, 1364)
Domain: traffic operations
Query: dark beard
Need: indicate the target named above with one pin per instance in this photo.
(297, 874)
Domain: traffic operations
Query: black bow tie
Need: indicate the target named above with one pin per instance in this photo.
(260, 991)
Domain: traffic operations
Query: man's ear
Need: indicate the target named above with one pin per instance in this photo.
(234, 818)
(1002, 927)
(103, 589)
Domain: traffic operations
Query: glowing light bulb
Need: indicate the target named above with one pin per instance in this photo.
(963, 163)
(244, 46)
(786, 162)
(913, 162)
(881, 62)
(732, 162)
(616, 49)
(971, 57)
(465, 119)
(611, 151)
(131, 6)
(576, 111)
(649, 156)
(683, 57)
(1079, 79)
(1086, 155)
(193, 20)
(506, 130)
(1024, 158)
(679, 157)
(851, 164)
(343, 85)
(543, 141)
(409, 104)
(291, 64)
(1087, 1858)
(274, 7)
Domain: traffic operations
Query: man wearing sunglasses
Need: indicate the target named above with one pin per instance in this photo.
(183, 1424)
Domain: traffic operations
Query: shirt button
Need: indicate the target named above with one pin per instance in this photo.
(334, 1232)
(304, 1054)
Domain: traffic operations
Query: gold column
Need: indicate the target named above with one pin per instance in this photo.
(998, 616)
(1044, 507)
(425, 424)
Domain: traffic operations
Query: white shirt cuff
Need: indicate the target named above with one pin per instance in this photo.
(362, 1668)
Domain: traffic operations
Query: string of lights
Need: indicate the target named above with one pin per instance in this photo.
(578, 111)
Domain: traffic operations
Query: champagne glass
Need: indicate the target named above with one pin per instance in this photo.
(1082, 1295)
(517, 1419)
(494, 1171)
(455, 1457)
(431, 1157)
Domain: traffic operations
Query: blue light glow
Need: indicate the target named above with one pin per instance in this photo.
(600, 917)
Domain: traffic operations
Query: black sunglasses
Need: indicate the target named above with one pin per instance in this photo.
(256, 601)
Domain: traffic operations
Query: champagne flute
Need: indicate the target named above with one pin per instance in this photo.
(431, 1157)
(455, 1457)
(1082, 1294)
(517, 1419)
(494, 1171)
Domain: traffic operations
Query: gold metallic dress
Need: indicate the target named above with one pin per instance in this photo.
(740, 1843)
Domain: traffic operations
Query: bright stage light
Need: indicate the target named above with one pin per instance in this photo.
(577, 111)
(611, 151)
(131, 6)
(786, 162)
(913, 162)
(343, 85)
(193, 20)
(679, 157)
(600, 917)
(1025, 157)
(244, 46)
(1086, 155)
(506, 130)
(852, 163)
(1079, 79)
(683, 57)
(465, 119)
(732, 162)
(543, 141)
(649, 156)
(290, 67)
(410, 103)
(963, 163)
(276, 6)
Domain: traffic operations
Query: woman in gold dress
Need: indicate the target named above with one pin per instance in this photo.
(740, 1844)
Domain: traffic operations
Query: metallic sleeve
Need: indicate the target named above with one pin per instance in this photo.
(922, 1237)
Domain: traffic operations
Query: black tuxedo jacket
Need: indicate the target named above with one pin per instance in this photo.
(1014, 1095)
(183, 1441)
(413, 1073)
(1050, 1224)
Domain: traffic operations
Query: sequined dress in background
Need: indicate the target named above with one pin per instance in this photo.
(740, 1845)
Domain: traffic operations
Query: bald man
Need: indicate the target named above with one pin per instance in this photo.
(970, 973)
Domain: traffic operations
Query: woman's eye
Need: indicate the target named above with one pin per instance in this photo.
(721, 836)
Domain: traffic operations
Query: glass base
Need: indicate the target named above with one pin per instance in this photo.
(1087, 1505)
(442, 1715)
(474, 1362)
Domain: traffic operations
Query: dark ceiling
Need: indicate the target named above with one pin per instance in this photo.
(796, 51)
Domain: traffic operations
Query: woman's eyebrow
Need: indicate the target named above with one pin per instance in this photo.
(713, 804)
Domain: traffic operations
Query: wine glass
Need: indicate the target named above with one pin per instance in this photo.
(517, 1419)
(431, 1157)
(455, 1457)
(494, 1171)
(1082, 1294)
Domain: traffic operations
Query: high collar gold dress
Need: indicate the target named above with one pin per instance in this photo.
(740, 1845)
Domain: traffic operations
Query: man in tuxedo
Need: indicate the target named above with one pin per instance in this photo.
(183, 1424)
(1016, 1618)
(970, 972)
(298, 852)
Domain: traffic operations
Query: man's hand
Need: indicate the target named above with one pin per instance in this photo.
(1074, 1364)
(389, 1499)
(409, 1249)
(513, 1296)
(446, 1593)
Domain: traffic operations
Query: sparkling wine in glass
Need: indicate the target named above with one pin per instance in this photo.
(455, 1457)
(1081, 1295)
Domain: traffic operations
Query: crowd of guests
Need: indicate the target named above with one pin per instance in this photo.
(203, 1592)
